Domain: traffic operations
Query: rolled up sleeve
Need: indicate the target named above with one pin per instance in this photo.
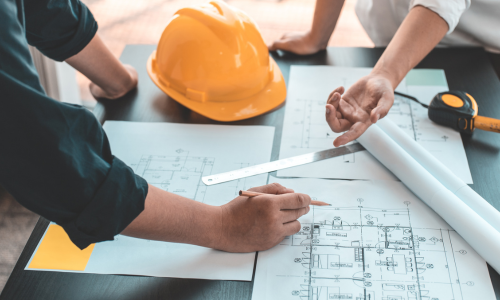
(115, 204)
(449, 10)
(55, 158)
(59, 28)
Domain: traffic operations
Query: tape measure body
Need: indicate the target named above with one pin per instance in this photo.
(454, 109)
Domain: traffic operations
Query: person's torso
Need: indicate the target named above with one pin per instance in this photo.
(478, 26)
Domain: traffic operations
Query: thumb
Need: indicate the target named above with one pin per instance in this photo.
(383, 107)
(273, 188)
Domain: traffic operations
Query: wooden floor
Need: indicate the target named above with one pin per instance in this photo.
(124, 22)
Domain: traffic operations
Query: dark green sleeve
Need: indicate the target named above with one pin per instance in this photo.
(55, 158)
(58, 28)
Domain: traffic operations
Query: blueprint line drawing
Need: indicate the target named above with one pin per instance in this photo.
(305, 129)
(181, 174)
(409, 116)
(174, 157)
(375, 257)
(383, 244)
(315, 136)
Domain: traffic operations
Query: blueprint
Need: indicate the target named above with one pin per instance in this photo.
(172, 157)
(181, 174)
(305, 129)
(376, 242)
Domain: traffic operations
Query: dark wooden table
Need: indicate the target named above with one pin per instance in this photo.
(467, 69)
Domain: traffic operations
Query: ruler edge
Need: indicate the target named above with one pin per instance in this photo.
(205, 179)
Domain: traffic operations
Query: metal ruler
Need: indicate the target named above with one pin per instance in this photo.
(282, 164)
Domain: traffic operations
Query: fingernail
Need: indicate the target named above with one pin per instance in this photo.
(327, 111)
(378, 117)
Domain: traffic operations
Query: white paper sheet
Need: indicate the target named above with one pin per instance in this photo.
(305, 129)
(174, 157)
(473, 228)
(377, 241)
(442, 174)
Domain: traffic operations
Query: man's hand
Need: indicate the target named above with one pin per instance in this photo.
(372, 96)
(242, 225)
(326, 14)
(296, 42)
(110, 78)
(364, 103)
(261, 222)
(128, 85)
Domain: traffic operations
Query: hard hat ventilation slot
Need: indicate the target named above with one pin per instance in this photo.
(196, 95)
(164, 82)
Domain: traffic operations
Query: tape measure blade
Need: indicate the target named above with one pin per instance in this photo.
(281, 164)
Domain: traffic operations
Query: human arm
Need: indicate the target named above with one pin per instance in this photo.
(242, 225)
(55, 159)
(110, 78)
(326, 14)
(67, 31)
(371, 97)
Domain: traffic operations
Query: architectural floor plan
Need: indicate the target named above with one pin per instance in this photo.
(181, 174)
(376, 242)
(172, 157)
(305, 129)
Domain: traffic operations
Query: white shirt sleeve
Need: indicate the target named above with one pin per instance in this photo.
(449, 10)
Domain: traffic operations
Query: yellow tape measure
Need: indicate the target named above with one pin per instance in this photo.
(458, 110)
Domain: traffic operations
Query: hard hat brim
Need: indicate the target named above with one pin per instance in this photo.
(267, 99)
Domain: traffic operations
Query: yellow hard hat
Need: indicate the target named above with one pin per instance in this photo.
(212, 59)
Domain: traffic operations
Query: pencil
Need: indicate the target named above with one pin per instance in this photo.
(253, 194)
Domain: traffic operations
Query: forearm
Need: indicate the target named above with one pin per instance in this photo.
(419, 33)
(326, 15)
(99, 65)
(172, 218)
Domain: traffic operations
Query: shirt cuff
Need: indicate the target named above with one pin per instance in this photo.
(117, 202)
(449, 10)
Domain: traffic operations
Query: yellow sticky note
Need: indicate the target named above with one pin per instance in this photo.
(57, 252)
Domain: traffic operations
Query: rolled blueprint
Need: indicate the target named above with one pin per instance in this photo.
(481, 235)
(442, 173)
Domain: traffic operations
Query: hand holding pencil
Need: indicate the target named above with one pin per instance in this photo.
(263, 220)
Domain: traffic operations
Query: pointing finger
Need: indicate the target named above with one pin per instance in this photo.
(354, 132)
